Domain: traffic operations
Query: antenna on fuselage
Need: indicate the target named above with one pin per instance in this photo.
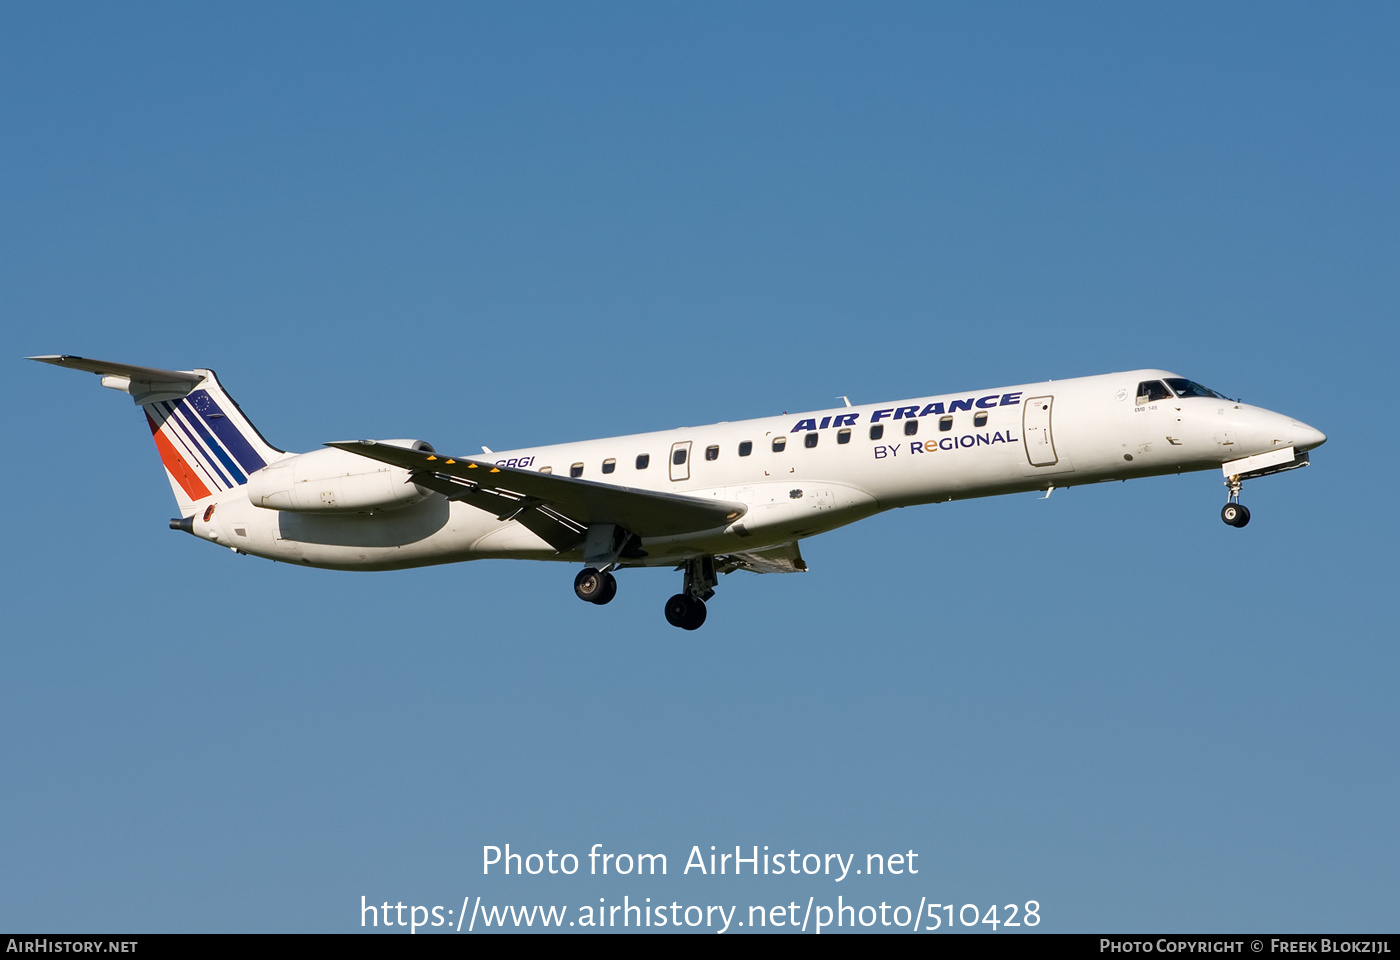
(847, 399)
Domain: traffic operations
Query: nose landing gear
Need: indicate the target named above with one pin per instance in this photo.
(1234, 513)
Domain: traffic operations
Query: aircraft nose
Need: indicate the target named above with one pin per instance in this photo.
(1306, 437)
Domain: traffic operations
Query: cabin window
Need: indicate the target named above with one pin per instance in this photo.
(877, 431)
(945, 424)
(609, 466)
(810, 440)
(911, 427)
(546, 469)
(746, 448)
(779, 444)
(712, 453)
(843, 436)
(1150, 391)
(979, 419)
(678, 455)
(576, 470)
(642, 460)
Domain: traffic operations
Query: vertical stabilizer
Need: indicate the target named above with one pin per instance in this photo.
(205, 442)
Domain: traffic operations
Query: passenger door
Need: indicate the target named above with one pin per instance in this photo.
(1035, 425)
(680, 460)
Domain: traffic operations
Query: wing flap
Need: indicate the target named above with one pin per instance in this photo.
(558, 531)
(646, 513)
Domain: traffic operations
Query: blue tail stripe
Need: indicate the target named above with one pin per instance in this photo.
(213, 445)
(227, 431)
(168, 410)
(195, 456)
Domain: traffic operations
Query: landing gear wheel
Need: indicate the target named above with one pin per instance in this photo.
(595, 586)
(1235, 514)
(685, 611)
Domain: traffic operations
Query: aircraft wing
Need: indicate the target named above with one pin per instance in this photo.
(514, 493)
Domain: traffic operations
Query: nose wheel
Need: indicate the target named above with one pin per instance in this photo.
(1234, 513)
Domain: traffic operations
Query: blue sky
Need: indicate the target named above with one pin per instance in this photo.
(511, 225)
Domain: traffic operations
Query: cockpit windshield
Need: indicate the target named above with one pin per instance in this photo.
(1188, 388)
(1150, 391)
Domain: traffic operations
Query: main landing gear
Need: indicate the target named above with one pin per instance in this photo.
(685, 610)
(595, 586)
(1234, 513)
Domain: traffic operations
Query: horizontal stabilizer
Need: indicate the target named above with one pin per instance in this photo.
(645, 513)
(104, 368)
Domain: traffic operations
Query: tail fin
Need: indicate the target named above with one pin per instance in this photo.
(205, 442)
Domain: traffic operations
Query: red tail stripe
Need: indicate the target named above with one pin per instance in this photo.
(176, 466)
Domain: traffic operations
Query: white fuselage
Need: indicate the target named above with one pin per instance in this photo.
(946, 447)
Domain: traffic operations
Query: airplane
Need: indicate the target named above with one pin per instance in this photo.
(707, 500)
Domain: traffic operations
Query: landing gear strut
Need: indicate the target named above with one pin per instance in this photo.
(687, 608)
(595, 586)
(1234, 513)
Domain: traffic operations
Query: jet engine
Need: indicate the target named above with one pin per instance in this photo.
(336, 481)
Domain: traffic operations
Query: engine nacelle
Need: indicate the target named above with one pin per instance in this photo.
(336, 481)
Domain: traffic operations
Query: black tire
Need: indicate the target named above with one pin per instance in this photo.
(698, 612)
(678, 610)
(685, 611)
(1235, 514)
(591, 584)
(609, 589)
